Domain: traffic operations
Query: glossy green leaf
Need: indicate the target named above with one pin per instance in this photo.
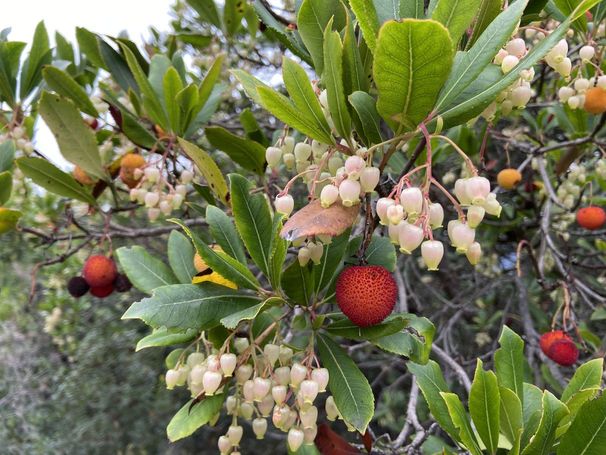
(587, 434)
(117, 66)
(10, 56)
(65, 85)
(469, 65)
(312, 19)
(248, 154)
(367, 18)
(76, 140)
(298, 283)
(181, 257)
(172, 85)
(192, 416)
(509, 361)
(278, 249)
(233, 11)
(7, 155)
(456, 16)
(413, 342)
(484, 399)
(8, 219)
(531, 411)
(189, 306)
(39, 55)
(343, 327)
(354, 74)
(332, 259)
(6, 186)
(511, 420)
(207, 11)
(53, 179)
(210, 80)
(207, 167)
(542, 441)
(414, 9)
(380, 251)
(587, 376)
(412, 61)
(489, 10)
(231, 322)
(165, 337)
(460, 419)
(348, 386)
(366, 119)
(431, 382)
(89, 45)
(252, 128)
(333, 80)
(224, 233)
(388, 9)
(253, 220)
(144, 271)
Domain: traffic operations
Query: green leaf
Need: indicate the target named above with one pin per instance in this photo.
(302, 94)
(489, 10)
(456, 16)
(233, 11)
(118, 67)
(380, 251)
(223, 264)
(65, 85)
(531, 411)
(207, 11)
(542, 441)
(89, 45)
(53, 179)
(413, 342)
(574, 404)
(144, 271)
(587, 376)
(189, 306)
(332, 259)
(181, 257)
(509, 362)
(253, 220)
(136, 132)
(39, 55)
(8, 219)
(312, 19)
(431, 382)
(248, 154)
(10, 55)
(333, 80)
(223, 231)
(76, 140)
(7, 155)
(355, 76)
(469, 65)
(511, 421)
(348, 386)
(252, 128)
(587, 434)
(343, 327)
(298, 283)
(192, 416)
(210, 80)
(367, 18)
(172, 85)
(250, 84)
(484, 399)
(412, 61)
(231, 322)
(165, 337)
(207, 167)
(414, 9)
(388, 9)
(460, 419)
(278, 250)
(367, 119)
(6, 186)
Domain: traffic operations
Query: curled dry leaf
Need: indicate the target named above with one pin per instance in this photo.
(313, 219)
(330, 443)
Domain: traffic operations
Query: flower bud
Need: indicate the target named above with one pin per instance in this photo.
(309, 417)
(259, 426)
(601, 83)
(295, 439)
(153, 214)
(181, 189)
(410, 237)
(231, 404)
(133, 194)
(349, 190)
(266, 405)
(565, 93)
(329, 195)
(261, 388)
(393, 231)
(282, 375)
(196, 375)
(506, 107)
(240, 345)
(224, 444)
(520, 96)
(288, 145)
(211, 382)
(228, 364)
(581, 84)
(284, 204)
(304, 255)
(195, 358)
(165, 207)
(564, 67)
(280, 416)
(172, 378)
(436, 215)
(248, 391)
(498, 60)
(272, 352)
(353, 166)
(187, 176)
(334, 163)
(298, 373)
(152, 174)
(432, 252)
(316, 252)
(310, 435)
(302, 151)
(285, 354)
(473, 253)
(461, 235)
(308, 390)
(332, 413)
(183, 373)
(492, 206)
(369, 179)
(516, 47)
(475, 215)
(317, 148)
(151, 199)
(574, 102)
(395, 213)
(247, 410)
(289, 160)
(587, 52)
(509, 63)
(273, 155)
(196, 389)
(477, 189)
(382, 205)
(320, 375)
(243, 373)
(278, 393)
(177, 201)
(412, 200)
(212, 363)
(234, 433)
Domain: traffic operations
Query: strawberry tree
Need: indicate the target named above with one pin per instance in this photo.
(367, 175)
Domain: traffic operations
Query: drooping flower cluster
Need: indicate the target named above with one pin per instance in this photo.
(261, 384)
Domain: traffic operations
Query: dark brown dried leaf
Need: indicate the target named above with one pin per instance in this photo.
(313, 219)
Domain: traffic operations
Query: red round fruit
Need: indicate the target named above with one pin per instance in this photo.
(548, 338)
(99, 271)
(102, 291)
(366, 294)
(564, 352)
(591, 217)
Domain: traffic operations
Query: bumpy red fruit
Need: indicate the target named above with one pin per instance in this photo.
(102, 291)
(591, 217)
(564, 352)
(99, 271)
(548, 338)
(366, 294)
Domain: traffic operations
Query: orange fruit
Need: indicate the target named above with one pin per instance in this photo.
(128, 164)
(82, 177)
(591, 217)
(509, 178)
(595, 100)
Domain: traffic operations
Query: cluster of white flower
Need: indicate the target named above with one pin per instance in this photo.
(272, 385)
(19, 135)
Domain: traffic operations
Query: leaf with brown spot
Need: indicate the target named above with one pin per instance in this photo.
(330, 443)
(313, 219)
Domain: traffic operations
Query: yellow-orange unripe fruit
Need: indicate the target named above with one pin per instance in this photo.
(509, 178)
(128, 164)
(595, 100)
(82, 177)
